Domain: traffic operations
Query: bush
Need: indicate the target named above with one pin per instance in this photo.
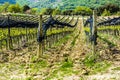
(34, 10)
(112, 8)
(4, 7)
(25, 8)
(89, 60)
(47, 11)
(118, 13)
(106, 13)
(14, 8)
(56, 12)
(81, 10)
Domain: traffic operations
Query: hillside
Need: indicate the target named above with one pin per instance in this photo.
(62, 4)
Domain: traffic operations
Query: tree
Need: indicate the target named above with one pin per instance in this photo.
(25, 8)
(109, 7)
(34, 10)
(14, 8)
(81, 10)
(47, 11)
(3, 8)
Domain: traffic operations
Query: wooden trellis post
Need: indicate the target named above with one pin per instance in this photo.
(26, 33)
(94, 30)
(40, 51)
(9, 36)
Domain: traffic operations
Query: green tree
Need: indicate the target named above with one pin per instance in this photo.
(81, 10)
(34, 10)
(14, 8)
(47, 11)
(109, 7)
(4, 7)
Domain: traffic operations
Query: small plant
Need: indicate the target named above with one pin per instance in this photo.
(89, 60)
(106, 13)
(67, 64)
(100, 66)
(91, 63)
(43, 63)
(29, 78)
(33, 59)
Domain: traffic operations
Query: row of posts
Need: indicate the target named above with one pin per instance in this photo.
(40, 44)
(9, 38)
(40, 52)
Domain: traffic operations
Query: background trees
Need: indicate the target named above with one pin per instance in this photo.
(14, 8)
(4, 7)
(111, 8)
(57, 11)
(25, 8)
(105, 10)
(81, 10)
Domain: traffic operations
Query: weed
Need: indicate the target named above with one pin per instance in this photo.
(29, 78)
(89, 60)
(91, 63)
(67, 64)
(100, 66)
(33, 59)
(42, 63)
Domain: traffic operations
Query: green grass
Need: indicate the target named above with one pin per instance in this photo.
(91, 63)
(39, 64)
(74, 40)
(100, 67)
(63, 40)
(104, 28)
(117, 68)
(110, 43)
(111, 40)
(29, 78)
(67, 64)
(109, 28)
(65, 69)
(89, 60)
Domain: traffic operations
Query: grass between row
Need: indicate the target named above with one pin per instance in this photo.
(33, 68)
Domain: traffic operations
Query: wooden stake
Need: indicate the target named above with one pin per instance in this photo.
(94, 30)
(9, 39)
(40, 51)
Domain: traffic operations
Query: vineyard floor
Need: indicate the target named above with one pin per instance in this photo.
(63, 62)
